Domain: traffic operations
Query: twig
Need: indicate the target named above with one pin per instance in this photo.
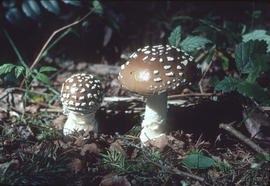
(51, 37)
(243, 138)
(47, 105)
(193, 95)
(10, 90)
(171, 171)
(266, 108)
(201, 56)
(171, 97)
(205, 72)
(176, 171)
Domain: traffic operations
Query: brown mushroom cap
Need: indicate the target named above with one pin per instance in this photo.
(81, 93)
(157, 69)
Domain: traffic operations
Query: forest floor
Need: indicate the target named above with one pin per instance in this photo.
(197, 151)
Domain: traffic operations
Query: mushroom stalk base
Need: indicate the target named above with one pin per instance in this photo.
(155, 119)
(79, 121)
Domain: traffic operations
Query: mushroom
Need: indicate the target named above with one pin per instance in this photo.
(81, 96)
(155, 71)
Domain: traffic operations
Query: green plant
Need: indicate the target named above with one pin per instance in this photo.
(141, 171)
(46, 167)
(223, 36)
(196, 160)
(251, 61)
(262, 160)
(29, 74)
(190, 43)
(226, 169)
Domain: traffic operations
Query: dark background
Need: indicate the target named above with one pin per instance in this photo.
(133, 24)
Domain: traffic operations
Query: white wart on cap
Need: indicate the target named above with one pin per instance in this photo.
(157, 69)
(81, 93)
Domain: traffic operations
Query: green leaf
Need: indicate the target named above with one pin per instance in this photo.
(176, 18)
(98, 8)
(252, 90)
(258, 35)
(51, 5)
(175, 36)
(72, 2)
(18, 71)
(256, 14)
(202, 28)
(228, 84)
(198, 161)
(250, 56)
(191, 43)
(6, 68)
(43, 78)
(47, 69)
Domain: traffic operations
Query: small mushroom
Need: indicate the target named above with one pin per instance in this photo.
(155, 71)
(81, 96)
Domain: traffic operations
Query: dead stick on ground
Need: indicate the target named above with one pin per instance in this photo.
(51, 37)
(243, 138)
(176, 171)
(205, 72)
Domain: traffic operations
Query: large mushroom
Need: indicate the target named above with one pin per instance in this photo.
(81, 96)
(155, 71)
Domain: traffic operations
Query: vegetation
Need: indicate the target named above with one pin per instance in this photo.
(233, 56)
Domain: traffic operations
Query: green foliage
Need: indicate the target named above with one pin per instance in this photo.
(175, 36)
(258, 35)
(98, 8)
(6, 68)
(223, 35)
(18, 71)
(251, 57)
(73, 2)
(141, 171)
(45, 167)
(197, 160)
(228, 84)
(190, 43)
(251, 60)
(262, 160)
(47, 69)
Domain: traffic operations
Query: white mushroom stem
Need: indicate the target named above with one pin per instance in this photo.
(155, 118)
(78, 121)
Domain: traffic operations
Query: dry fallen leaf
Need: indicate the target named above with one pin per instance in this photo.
(90, 148)
(117, 146)
(76, 165)
(114, 180)
(160, 143)
(59, 122)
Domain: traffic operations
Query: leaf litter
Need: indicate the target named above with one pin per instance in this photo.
(115, 155)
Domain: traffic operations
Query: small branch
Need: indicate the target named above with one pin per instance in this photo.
(205, 72)
(176, 171)
(243, 138)
(193, 95)
(201, 56)
(51, 37)
(266, 108)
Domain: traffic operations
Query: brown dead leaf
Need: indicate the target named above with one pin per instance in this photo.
(3, 115)
(63, 76)
(32, 108)
(59, 122)
(76, 165)
(160, 143)
(114, 180)
(90, 148)
(117, 146)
